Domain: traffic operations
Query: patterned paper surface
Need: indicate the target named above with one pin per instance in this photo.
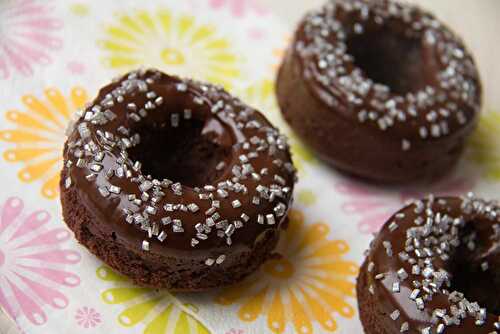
(54, 55)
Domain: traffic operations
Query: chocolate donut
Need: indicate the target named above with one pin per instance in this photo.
(175, 183)
(434, 268)
(380, 90)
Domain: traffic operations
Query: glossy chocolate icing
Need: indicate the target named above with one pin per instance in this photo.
(385, 261)
(258, 156)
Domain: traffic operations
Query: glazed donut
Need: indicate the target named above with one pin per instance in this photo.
(380, 90)
(434, 268)
(175, 183)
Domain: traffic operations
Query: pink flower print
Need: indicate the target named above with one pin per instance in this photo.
(374, 207)
(26, 35)
(239, 8)
(33, 263)
(87, 317)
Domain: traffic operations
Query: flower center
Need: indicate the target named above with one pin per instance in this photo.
(280, 268)
(2, 258)
(172, 57)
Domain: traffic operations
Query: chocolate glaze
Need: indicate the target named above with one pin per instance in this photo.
(478, 216)
(422, 101)
(227, 122)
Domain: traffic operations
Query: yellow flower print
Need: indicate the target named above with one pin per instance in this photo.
(261, 96)
(158, 311)
(308, 283)
(306, 197)
(485, 144)
(175, 43)
(39, 135)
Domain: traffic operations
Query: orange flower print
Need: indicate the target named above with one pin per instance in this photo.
(304, 288)
(37, 136)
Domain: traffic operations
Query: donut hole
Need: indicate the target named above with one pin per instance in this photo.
(184, 153)
(478, 283)
(389, 58)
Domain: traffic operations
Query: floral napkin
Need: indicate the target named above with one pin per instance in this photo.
(54, 55)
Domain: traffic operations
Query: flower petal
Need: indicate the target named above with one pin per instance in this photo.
(231, 294)
(25, 154)
(29, 307)
(58, 276)
(52, 237)
(330, 249)
(58, 101)
(21, 137)
(31, 223)
(48, 295)
(335, 302)
(10, 211)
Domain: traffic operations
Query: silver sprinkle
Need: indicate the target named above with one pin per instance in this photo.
(96, 167)
(222, 193)
(220, 165)
(159, 101)
(162, 236)
(181, 87)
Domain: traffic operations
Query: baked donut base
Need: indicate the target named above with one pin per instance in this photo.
(151, 270)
